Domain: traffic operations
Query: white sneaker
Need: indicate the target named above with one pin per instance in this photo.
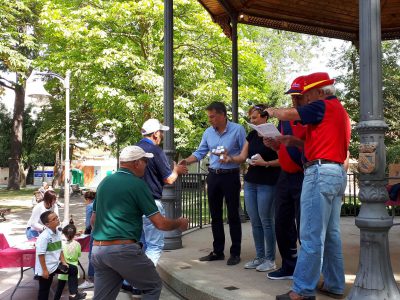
(267, 265)
(254, 263)
(86, 285)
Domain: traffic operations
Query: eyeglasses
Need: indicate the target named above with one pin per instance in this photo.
(54, 219)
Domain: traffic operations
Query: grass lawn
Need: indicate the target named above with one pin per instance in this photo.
(23, 193)
(12, 199)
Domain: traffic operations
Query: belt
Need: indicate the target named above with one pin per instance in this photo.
(113, 242)
(320, 162)
(223, 171)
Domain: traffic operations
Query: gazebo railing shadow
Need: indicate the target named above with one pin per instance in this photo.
(192, 190)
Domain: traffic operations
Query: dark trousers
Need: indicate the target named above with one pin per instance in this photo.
(45, 284)
(220, 186)
(287, 217)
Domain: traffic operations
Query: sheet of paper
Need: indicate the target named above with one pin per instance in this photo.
(266, 129)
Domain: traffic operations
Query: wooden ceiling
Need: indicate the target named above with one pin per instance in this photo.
(330, 18)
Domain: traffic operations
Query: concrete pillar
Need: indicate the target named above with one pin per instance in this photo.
(374, 278)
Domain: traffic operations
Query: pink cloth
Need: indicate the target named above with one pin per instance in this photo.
(12, 257)
(3, 242)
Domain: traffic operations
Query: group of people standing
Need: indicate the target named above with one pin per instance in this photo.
(293, 188)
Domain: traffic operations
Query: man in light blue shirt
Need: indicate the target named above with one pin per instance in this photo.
(223, 180)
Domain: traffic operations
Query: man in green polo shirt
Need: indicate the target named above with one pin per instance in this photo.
(121, 200)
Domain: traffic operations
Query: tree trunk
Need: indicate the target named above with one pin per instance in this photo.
(23, 173)
(16, 139)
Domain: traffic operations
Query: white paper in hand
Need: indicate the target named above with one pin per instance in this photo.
(266, 130)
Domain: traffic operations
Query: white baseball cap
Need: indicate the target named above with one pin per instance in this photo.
(132, 153)
(153, 125)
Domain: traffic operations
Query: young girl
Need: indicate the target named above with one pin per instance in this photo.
(72, 252)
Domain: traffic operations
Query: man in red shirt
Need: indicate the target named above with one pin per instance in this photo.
(325, 148)
(288, 189)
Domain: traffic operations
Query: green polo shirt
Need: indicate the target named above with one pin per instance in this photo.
(121, 200)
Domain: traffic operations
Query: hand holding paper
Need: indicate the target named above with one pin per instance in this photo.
(266, 130)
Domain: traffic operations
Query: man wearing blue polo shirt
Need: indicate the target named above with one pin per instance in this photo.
(223, 180)
(158, 173)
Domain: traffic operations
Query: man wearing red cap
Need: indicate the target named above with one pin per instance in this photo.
(288, 189)
(326, 147)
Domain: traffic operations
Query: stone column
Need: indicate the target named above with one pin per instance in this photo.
(374, 278)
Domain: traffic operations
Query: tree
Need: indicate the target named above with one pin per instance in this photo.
(5, 132)
(348, 59)
(17, 48)
(115, 52)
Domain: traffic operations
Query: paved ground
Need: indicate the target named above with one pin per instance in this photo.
(193, 279)
(215, 280)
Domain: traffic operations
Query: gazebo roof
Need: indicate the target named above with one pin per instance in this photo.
(334, 19)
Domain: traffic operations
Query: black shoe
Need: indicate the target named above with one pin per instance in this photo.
(280, 274)
(233, 260)
(212, 256)
(78, 296)
(287, 297)
(136, 292)
(126, 287)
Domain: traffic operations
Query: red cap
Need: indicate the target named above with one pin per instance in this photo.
(297, 86)
(316, 80)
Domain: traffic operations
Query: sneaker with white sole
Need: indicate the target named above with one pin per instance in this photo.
(267, 265)
(86, 285)
(280, 274)
(254, 263)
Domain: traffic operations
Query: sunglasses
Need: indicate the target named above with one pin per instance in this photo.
(263, 113)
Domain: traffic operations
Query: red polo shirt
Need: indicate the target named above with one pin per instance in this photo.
(290, 158)
(328, 130)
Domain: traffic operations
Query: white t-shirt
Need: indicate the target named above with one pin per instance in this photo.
(49, 244)
(34, 221)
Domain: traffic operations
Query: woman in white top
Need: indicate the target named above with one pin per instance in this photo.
(35, 226)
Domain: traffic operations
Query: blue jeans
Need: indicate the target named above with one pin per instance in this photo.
(30, 233)
(152, 238)
(90, 267)
(321, 245)
(259, 200)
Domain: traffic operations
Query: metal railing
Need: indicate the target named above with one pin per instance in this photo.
(192, 190)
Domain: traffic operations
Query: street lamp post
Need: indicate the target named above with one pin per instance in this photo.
(65, 81)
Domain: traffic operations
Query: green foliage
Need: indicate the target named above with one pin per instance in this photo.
(347, 59)
(18, 39)
(5, 132)
(33, 153)
(393, 154)
(115, 52)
